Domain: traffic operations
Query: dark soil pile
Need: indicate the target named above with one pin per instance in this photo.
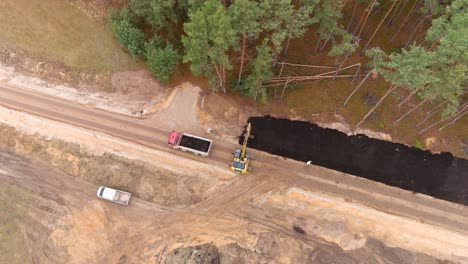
(439, 175)
(195, 143)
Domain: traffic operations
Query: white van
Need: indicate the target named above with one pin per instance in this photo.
(113, 195)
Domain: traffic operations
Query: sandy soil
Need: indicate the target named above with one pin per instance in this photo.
(96, 9)
(233, 212)
(131, 92)
(185, 209)
(179, 111)
(214, 107)
(282, 213)
(56, 218)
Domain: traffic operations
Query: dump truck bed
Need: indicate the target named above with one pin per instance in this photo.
(196, 143)
(122, 197)
(186, 142)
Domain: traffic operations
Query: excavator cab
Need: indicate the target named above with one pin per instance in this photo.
(237, 153)
(240, 163)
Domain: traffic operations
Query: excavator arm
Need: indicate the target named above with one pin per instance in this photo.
(246, 138)
(240, 163)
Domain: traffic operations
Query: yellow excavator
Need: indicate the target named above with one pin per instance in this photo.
(240, 163)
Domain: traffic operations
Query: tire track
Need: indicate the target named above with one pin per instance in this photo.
(123, 130)
(279, 173)
(234, 196)
(100, 116)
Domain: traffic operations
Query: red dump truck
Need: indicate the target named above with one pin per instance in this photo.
(186, 142)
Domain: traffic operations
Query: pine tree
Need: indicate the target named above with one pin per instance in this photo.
(190, 5)
(328, 13)
(161, 60)
(209, 35)
(245, 15)
(165, 16)
(161, 14)
(302, 18)
(449, 44)
(260, 69)
(437, 73)
(126, 32)
(275, 21)
(449, 86)
(412, 69)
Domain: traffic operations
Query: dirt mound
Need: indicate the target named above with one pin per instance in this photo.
(177, 111)
(94, 223)
(215, 107)
(201, 254)
(272, 247)
(144, 180)
(137, 85)
(234, 254)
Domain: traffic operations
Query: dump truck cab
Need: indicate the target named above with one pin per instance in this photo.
(173, 139)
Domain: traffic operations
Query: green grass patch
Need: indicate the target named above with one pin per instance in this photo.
(318, 97)
(381, 125)
(418, 144)
(55, 30)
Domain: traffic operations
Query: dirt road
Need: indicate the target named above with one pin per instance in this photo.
(233, 203)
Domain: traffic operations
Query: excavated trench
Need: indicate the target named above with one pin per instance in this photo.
(439, 175)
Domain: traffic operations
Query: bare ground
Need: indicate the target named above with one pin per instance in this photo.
(176, 216)
(223, 210)
(145, 180)
(255, 217)
(126, 93)
(179, 112)
(247, 220)
(51, 217)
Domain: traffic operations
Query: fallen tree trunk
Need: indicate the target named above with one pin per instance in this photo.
(454, 120)
(355, 90)
(391, 89)
(408, 97)
(405, 20)
(270, 83)
(380, 24)
(428, 116)
(412, 109)
(445, 119)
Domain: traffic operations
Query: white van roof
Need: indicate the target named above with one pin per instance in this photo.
(108, 193)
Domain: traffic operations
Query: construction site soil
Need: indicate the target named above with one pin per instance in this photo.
(143, 180)
(439, 175)
(48, 216)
